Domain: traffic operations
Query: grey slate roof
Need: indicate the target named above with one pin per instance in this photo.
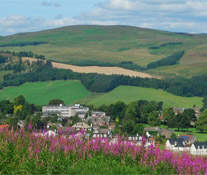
(174, 140)
(200, 145)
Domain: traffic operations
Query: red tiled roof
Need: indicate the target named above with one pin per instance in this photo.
(4, 126)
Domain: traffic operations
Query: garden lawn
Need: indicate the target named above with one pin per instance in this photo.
(42, 92)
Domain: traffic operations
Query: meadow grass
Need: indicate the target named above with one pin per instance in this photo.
(185, 70)
(128, 94)
(42, 92)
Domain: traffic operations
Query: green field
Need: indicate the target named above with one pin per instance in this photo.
(42, 92)
(128, 94)
(114, 44)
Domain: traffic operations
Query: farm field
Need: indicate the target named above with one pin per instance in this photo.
(42, 92)
(113, 44)
(97, 69)
(128, 94)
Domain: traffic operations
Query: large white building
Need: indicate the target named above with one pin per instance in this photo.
(66, 111)
(199, 148)
(175, 144)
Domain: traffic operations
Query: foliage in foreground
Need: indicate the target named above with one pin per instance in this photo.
(24, 152)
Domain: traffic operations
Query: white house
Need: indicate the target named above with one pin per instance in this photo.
(176, 145)
(102, 133)
(50, 133)
(198, 148)
(98, 113)
(81, 125)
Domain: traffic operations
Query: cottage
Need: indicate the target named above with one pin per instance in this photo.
(54, 125)
(49, 134)
(199, 148)
(197, 112)
(165, 133)
(189, 139)
(102, 133)
(4, 127)
(98, 113)
(178, 110)
(81, 125)
(176, 144)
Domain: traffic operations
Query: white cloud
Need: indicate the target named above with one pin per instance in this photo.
(18, 24)
(15, 24)
(46, 4)
(49, 4)
(170, 15)
(174, 15)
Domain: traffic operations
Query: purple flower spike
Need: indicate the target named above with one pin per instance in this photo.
(30, 127)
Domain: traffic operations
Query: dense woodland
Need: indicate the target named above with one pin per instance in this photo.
(170, 60)
(21, 44)
(165, 44)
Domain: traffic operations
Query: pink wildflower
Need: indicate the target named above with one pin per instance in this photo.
(30, 127)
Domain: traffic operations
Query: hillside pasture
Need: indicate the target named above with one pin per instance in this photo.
(110, 44)
(97, 69)
(42, 92)
(128, 94)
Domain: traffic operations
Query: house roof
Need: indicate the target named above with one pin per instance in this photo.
(179, 145)
(4, 126)
(104, 131)
(163, 130)
(152, 129)
(186, 137)
(176, 141)
(55, 124)
(200, 145)
(81, 125)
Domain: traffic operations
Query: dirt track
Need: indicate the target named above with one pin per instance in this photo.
(97, 69)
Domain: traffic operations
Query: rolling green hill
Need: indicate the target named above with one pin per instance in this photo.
(128, 94)
(42, 92)
(114, 44)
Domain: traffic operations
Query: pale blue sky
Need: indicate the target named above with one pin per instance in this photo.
(170, 15)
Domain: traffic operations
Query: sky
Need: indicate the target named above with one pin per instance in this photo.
(17, 16)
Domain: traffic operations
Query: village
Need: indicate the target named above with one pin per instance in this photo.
(88, 125)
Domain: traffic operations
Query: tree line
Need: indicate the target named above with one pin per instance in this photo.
(40, 71)
(21, 44)
(24, 54)
(170, 60)
(196, 86)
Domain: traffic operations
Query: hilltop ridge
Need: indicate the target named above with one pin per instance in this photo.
(114, 44)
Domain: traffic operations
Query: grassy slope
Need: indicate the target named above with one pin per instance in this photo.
(43, 92)
(112, 44)
(129, 94)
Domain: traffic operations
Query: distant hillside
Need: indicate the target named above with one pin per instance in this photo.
(115, 44)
